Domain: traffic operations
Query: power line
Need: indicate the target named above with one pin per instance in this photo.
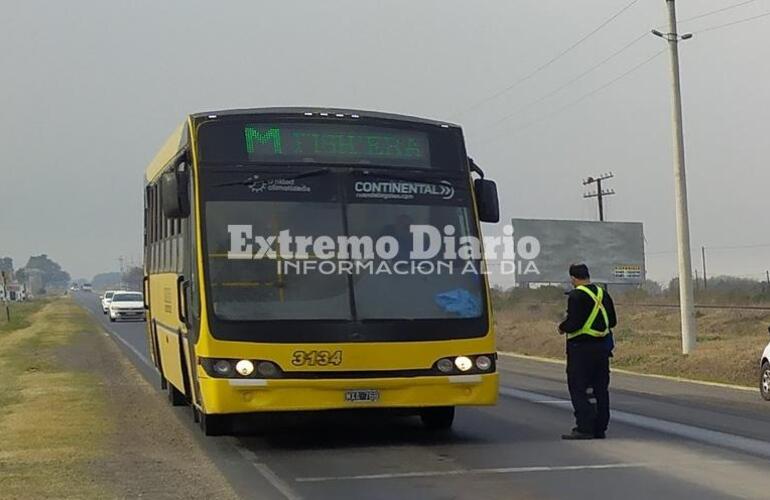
(717, 11)
(547, 63)
(584, 97)
(707, 247)
(572, 81)
(733, 23)
(735, 247)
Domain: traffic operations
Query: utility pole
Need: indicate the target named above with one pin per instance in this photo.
(703, 257)
(600, 193)
(122, 271)
(686, 299)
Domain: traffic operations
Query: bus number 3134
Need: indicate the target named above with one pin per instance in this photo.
(316, 358)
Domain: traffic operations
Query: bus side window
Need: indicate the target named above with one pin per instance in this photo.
(155, 227)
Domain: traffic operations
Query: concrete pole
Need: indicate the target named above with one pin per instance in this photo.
(599, 196)
(686, 299)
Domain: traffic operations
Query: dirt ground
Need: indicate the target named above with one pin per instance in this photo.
(78, 421)
(730, 341)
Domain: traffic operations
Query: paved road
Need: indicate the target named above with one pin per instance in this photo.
(668, 440)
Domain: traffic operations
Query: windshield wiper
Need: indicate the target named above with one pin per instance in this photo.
(301, 175)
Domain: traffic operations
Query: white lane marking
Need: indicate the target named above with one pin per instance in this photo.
(681, 380)
(458, 472)
(133, 349)
(266, 472)
(707, 436)
(112, 333)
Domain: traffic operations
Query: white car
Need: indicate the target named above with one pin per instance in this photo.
(106, 299)
(764, 373)
(127, 305)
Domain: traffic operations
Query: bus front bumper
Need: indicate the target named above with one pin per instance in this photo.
(260, 395)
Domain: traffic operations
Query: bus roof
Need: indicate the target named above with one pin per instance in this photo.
(332, 112)
(167, 151)
(175, 141)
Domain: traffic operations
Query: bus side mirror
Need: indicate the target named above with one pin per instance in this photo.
(487, 203)
(174, 195)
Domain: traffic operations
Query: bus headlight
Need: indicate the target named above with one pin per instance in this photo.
(483, 363)
(445, 365)
(222, 367)
(244, 367)
(463, 363)
(267, 369)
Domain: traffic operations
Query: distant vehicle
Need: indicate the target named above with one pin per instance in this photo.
(75, 288)
(127, 305)
(86, 287)
(764, 373)
(106, 299)
(258, 339)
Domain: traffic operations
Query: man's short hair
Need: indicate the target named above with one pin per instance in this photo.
(579, 271)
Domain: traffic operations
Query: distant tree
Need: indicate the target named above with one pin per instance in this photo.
(724, 290)
(652, 287)
(6, 264)
(51, 273)
(133, 277)
(106, 281)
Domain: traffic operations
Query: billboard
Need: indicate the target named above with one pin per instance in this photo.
(613, 251)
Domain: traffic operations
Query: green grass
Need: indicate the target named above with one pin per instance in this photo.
(20, 314)
(51, 417)
(648, 340)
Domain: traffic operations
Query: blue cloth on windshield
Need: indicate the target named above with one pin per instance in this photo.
(461, 302)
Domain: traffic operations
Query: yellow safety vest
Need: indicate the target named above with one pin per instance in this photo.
(587, 328)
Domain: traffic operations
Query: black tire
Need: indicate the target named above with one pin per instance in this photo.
(439, 418)
(175, 396)
(213, 425)
(112, 320)
(764, 381)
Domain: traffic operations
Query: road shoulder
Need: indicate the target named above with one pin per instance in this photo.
(86, 424)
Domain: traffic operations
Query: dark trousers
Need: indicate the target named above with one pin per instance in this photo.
(588, 366)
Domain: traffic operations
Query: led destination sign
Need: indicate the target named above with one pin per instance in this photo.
(335, 143)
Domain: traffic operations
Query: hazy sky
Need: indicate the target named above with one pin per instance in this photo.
(90, 89)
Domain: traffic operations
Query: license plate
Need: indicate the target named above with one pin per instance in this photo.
(362, 396)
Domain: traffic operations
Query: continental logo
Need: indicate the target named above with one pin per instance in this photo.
(402, 190)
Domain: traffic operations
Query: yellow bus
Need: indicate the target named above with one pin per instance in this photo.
(309, 259)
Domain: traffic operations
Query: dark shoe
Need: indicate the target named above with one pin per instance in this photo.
(600, 435)
(577, 435)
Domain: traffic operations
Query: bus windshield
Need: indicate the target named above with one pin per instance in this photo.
(286, 249)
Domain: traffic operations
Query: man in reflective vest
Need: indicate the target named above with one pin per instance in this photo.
(590, 316)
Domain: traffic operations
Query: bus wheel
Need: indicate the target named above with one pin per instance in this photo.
(175, 396)
(212, 425)
(438, 418)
